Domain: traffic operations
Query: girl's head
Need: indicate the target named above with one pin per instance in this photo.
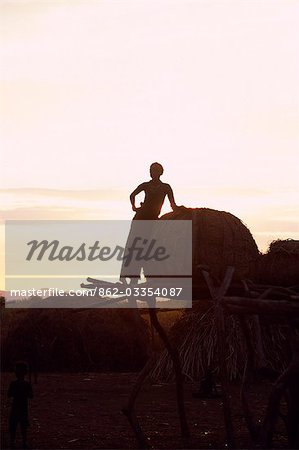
(156, 170)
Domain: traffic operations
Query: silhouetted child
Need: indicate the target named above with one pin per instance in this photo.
(155, 192)
(207, 387)
(20, 390)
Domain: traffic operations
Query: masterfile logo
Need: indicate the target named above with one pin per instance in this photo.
(63, 254)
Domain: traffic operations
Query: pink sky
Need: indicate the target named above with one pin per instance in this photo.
(92, 92)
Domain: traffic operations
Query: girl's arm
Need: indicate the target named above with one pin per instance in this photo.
(171, 197)
(137, 191)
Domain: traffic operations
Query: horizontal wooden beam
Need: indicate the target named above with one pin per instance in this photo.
(255, 306)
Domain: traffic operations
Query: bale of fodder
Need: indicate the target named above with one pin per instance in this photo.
(280, 265)
(74, 340)
(195, 337)
(219, 240)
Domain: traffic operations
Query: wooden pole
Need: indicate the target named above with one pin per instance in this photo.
(256, 306)
(244, 394)
(129, 409)
(217, 295)
(289, 377)
(174, 354)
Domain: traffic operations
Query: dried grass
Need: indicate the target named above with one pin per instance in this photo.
(280, 265)
(219, 240)
(195, 336)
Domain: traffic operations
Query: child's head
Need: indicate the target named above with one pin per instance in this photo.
(156, 170)
(21, 369)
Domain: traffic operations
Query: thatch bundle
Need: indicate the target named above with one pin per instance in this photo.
(195, 337)
(219, 239)
(280, 265)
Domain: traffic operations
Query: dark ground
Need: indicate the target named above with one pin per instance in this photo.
(82, 410)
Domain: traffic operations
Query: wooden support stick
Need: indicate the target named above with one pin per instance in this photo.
(133, 421)
(244, 394)
(255, 306)
(217, 295)
(129, 409)
(174, 354)
(261, 357)
(260, 352)
(287, 379)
